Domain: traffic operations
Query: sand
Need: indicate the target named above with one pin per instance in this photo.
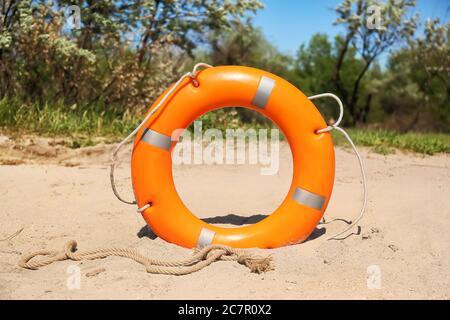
(401, 250)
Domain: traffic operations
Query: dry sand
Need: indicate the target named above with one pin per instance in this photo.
(57, 194)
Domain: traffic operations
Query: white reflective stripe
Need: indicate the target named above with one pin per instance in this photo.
(265, 88)
(309, 199)
(156, 139)
(205, 238)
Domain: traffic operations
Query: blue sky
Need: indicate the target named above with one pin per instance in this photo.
(288, 23)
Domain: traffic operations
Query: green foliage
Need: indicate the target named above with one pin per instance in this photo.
(235, 118)
(417, 83)
(314, 67)
(245, 45)
(124, 54)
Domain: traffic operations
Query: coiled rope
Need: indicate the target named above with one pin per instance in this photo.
(200, 259)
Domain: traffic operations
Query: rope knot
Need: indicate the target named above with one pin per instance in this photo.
(193, 77)
(243, 258)
(256, 264)
(69, 250)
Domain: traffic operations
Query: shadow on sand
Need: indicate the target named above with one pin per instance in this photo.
(236, 220)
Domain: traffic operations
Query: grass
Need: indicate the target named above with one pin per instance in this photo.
(80, 126)
(385, 142)
(83, 126)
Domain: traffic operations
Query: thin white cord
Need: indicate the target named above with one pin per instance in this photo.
(341, 109)
(364, 181)
(335, 126)
(192, 75)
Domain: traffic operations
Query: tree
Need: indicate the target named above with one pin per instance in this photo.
(124, 53)
(314, 66)
(370, 40)
(243, 44)
(417, 84)
(432, 54)
(14, 18)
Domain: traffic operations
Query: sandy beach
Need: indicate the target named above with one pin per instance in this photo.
(57, 194)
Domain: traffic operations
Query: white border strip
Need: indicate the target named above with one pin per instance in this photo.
(309, 199)
(156, 139)
(205, 238)
(265, 88)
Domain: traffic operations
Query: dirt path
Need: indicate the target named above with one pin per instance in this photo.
(57, 194)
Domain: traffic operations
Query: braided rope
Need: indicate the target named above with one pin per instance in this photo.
(200, 259)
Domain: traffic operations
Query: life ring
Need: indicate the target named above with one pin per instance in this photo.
(218, 87)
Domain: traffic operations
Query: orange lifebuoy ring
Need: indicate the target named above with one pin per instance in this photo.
(218, 87)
